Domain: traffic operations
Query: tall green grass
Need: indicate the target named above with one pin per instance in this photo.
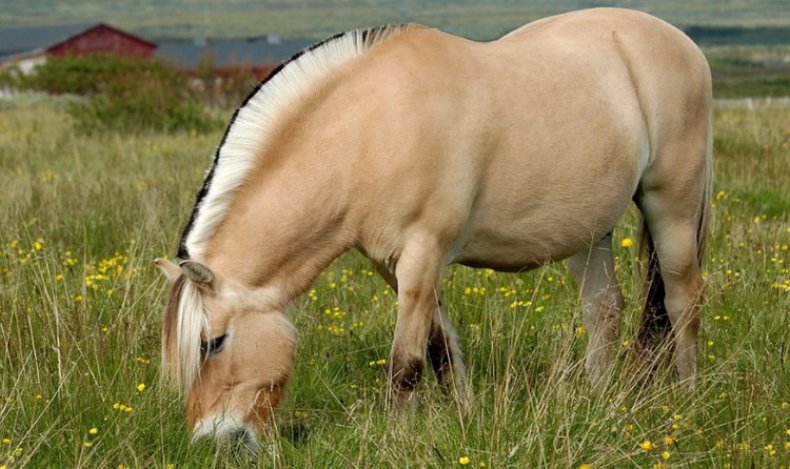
(81, 306)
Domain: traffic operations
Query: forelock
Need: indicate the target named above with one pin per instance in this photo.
(185, 320)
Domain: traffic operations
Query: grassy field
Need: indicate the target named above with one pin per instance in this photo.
(81, 307)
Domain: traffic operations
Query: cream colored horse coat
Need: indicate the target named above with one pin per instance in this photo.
(421, 149)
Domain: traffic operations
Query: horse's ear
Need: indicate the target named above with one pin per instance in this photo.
(197, 272)
(171, 270)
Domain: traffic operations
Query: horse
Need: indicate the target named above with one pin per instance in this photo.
(422, 149)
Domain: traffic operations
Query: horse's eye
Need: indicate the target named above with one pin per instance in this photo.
(213, 346)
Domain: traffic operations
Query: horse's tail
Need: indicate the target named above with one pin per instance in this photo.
(654, 328)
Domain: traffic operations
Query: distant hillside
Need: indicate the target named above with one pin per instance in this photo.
(739, 36)
(319, 18)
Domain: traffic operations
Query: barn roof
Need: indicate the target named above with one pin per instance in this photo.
(115, 30)
(230, 52)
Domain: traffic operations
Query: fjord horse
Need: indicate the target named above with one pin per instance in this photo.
(421, 149)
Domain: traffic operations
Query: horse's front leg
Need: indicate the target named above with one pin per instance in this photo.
(418, 274)
(444, 354)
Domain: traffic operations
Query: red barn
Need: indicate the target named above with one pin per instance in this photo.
(103, 38)
(29, 46)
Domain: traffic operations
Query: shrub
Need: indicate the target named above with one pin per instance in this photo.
(226, 87)
(124, 94)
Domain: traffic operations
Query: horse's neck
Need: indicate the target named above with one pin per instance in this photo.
(294, 214)
(285, 226)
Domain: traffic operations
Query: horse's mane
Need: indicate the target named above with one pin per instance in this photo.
(252, 121)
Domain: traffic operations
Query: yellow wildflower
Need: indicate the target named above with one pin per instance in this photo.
(647, 445)
(88, 444)
(6, 441)
(580, 331)
(141, 387)
(584, 466)
(626, 243)
(668, 440)
(666, 455)
(93, 431)
(463, 460)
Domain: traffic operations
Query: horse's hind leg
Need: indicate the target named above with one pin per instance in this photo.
(673, 198)
(444, 355)
(675, 235)
(602, 305)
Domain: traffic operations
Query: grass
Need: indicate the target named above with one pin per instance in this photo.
(81, 307)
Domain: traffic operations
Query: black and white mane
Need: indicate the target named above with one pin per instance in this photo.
(253, 119)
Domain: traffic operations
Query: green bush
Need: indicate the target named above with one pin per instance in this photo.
(124, 94)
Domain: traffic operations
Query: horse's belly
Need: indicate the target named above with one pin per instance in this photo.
(528, 243)
(544, 196)
(518, 227)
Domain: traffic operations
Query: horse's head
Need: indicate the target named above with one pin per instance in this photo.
(229, 356)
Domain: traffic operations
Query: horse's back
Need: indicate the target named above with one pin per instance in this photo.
(626, 54)
(529, 149)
